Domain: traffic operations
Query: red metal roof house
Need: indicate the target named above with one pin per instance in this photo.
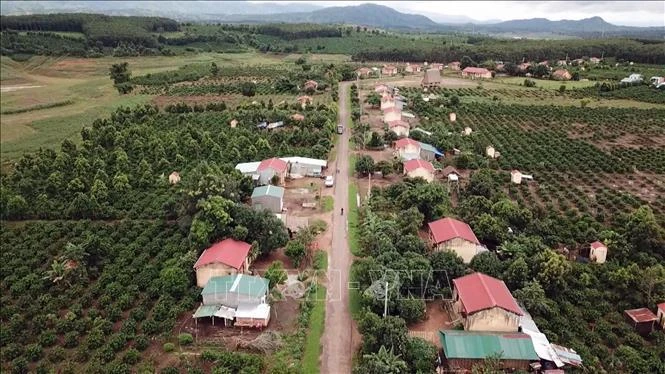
(642, 320)
(416, 168)
(485, 304)
(267, 169)
(476, 73)
(223, 258)
(449, 234)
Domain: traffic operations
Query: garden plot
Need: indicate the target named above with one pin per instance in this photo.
(436, 318)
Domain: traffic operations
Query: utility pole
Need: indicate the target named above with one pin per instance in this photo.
(385, 303)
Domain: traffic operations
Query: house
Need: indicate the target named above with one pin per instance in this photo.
(223, 258)
(268, 197)
(516, 176)
(364, 72)
(562, 63)
(304, 166)
(661, 315)
(392, 114)
(467, 131)
(407, 148)
(174, 177)
(274, 125)
(389, 70)
(437, 66)
(642, 320)
(432, 78)
(297, 117)
(416, 168)
(633, 78)
(476, 73)
(449, 170)
(412, 68)
(562, 75)
(485, 304)
(657, 82)
(462, 350)
(523, 66)
(238, 299)
(310, 85)
(598, 252)
(304, 100)
(544, 63)
(594, 60)
(271, 168)
(233, 123)
(399, 127)
(428, 152)
(455, 65)
(390, 102)
(449, 234)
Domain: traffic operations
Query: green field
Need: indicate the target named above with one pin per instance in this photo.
(546, 83)
(316, 326)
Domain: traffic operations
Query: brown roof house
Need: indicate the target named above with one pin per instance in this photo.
(561, 75)
(449, 234)
(476, 73)
(417, 168)
(432, 78)
(364, 72)
(389, 70)
(412, 68)
(642, 320)
(485, 304)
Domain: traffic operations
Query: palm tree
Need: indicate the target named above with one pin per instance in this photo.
(57, 272)
(382, 362)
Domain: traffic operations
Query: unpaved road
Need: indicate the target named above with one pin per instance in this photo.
(336, 340)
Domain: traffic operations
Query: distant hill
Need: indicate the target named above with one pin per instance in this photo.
(364, 14)
(594, 26)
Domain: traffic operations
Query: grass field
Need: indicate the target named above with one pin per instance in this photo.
(32, 90)
(312, 352)
(545, 83)
(327, 203)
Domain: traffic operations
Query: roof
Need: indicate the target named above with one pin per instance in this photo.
(311, 82)
(478, 292)
(472, 70)
(206, 311)
(248, 167)
(640, 315)
(398, 122)
(268, 190)
(432, 76)
(401, 143)
(257, 311)
(392, 109)
(430, 148)
(543, 347)
(272, 163)
(229, 252)
(414, 164)
(305, 160)
(238, 283)
(661, 306)
(449, 169)
(567, 355)
(597, 244)
(450, 228)
(480, 345)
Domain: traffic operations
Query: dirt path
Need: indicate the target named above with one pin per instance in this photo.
(336, 340)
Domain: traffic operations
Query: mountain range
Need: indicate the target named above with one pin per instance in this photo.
(371, 15)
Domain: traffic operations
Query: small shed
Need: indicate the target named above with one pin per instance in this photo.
(304, 100)
(311, 85)
(449, 170)
(389, 70)
(297, 117)
(174, 177)
(642, 320)
(429, 152)
(598, 252)
(561, 75)
(234, 123)
(268, 197)
(516, 176)
(452, 117)
(432, 78)
(252, 315)
(467, 131)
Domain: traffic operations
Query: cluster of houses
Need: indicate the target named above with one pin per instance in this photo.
(229, 292)
(495, 325)
(391, 106)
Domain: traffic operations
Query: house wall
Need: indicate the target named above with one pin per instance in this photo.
(204, 273)
(421, 172)
(477, 75)
(661, 318)
(427, 155)
(409, 149)
(467, 364)
(400, 130)
(230, 299)
(387, 104)
(598, 255)
(495, 319)
(463, 248)
(252, 321)
(271, 203)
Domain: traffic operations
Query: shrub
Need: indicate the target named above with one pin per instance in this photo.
(131, 357)
(169, 347)
(185, 339)
(141, 342)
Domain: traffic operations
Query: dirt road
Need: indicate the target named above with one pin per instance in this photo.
(336, 340)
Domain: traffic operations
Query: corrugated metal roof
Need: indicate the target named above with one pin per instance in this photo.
(268, 190)
(479, 291)
(305, 160)
(248, 167)
(238, 283)
(430, 148)
(480, 345)
(206, 311)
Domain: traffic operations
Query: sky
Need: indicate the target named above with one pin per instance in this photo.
(628, 13)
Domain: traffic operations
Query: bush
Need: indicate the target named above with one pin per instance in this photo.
(141, 342)
(131, 357)
(529, 83)
(169, 347)
(185, 339)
